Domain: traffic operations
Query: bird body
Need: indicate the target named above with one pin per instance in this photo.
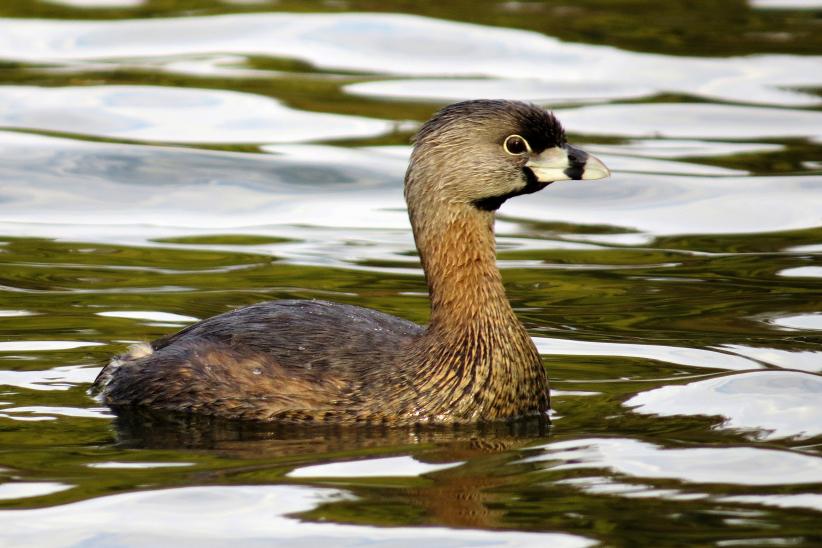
(322, 362)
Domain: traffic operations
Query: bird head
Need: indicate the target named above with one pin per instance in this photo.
(483, 152)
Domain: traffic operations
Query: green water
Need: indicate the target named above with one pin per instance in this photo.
(677, 305)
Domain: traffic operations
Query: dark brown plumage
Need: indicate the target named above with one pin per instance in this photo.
(321, 362)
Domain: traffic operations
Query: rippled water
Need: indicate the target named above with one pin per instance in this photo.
(163, 161)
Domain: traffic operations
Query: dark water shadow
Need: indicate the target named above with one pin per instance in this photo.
(148, 429)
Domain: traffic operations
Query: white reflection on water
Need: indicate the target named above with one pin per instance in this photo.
(805, 500)
(694, 357)
(133, 185)
(58, 378)
(143, 192)
(649, 165)
(735, 465)
(786, 4)
(403, 44)
(35, 346)
(147, 315)
(802, 271)
(800, 321)
(683, 148)
(248, 515)
(546, 91)
(176, 115)
(15, 313)
(603, 485)
(803, 360)
(41, 412)
(667, 204)
(115, 465)
(776, 404)
(97, 3)
(420, 46)
(692, 120)
(394, 467)
(27, 489)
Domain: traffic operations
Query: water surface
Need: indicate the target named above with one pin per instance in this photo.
(162, 162)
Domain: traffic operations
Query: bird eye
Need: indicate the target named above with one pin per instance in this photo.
(516, 145)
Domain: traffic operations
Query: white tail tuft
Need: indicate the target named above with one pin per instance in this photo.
(137, 351)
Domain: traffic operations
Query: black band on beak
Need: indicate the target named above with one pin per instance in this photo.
(576, 162)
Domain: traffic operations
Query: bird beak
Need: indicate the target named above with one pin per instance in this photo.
(565, 163)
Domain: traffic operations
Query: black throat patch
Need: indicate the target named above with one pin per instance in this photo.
(493, 203)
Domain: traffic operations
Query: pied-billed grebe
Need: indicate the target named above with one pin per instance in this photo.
(322, 362)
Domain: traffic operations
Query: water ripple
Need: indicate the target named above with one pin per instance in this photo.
(420, 46)
(232, 514)
(775, 404)
(395, 467)
(178, 115)
(694, 357)
(27, 489)
(58, 378)
(35, 346)
(735, 465)
(135, 191)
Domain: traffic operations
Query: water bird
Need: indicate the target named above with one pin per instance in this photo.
(312, 361)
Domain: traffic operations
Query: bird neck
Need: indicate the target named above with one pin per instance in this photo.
(458, 253)
(475, 361)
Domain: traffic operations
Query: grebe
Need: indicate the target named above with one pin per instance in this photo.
(307, 361)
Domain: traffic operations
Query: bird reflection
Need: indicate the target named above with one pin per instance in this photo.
(148, 429)
(464, 496)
